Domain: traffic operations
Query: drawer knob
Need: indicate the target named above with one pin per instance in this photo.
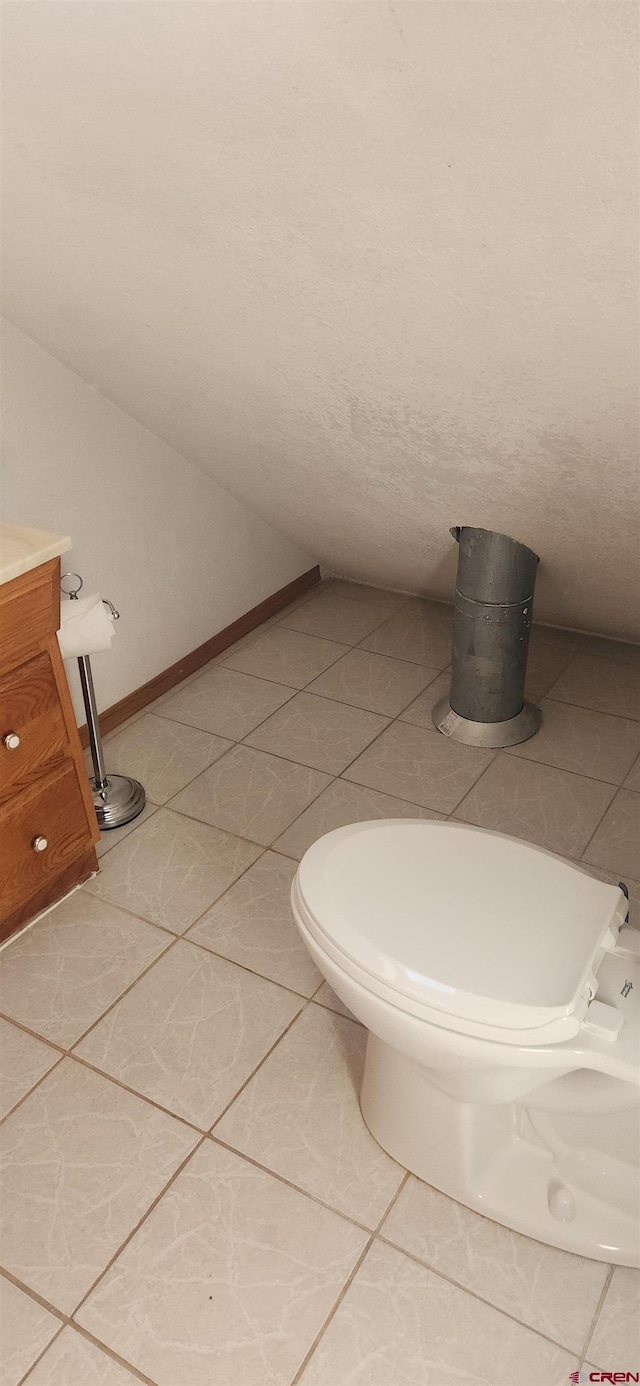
(11, 740)
(39, 844)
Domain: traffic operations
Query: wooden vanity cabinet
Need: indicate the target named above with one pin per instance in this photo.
(48, 827)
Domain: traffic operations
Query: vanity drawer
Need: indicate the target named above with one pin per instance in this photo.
(29, 613)
(52, 815)
(31, 716)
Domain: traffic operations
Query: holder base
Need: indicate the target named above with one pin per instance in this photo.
(489, 734)
(119, 801)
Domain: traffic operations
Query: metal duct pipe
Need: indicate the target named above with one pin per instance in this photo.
(492, 618)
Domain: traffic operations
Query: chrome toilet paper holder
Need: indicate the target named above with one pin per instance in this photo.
(117, 799)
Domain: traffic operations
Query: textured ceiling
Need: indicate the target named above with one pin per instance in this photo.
(372, 266)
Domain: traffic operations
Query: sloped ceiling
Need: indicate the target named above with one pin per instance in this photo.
(372, 266)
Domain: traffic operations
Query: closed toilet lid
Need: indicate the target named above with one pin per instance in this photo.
(470, 923)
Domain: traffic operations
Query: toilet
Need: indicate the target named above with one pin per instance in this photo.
(500, 987)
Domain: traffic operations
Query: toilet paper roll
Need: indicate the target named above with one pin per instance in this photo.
(86, 626)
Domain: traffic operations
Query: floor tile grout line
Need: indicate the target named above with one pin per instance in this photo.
(352, 784)
(360, 707)
(306, 688)
(110, 1352)
(252, 971)
(339, 602)
(289, 1184)
(578, 774)
(270, 846)
(189, 818)
(173, 939)
(596, 711)
(390, 720)
(320, 769)
(168, 803)
(34, 1295)
(184, 936)
(343, 641)
(164, 927)
(135, 1092)
(216, 901)
(585, 707)
(432, 664)
(398, 716)
(215, 736)
(269, 623)
(339, 773)
(179, 721)
(347, 1284)
(65, 1321)
(306, 1002)
(601, 819)
(475, 784)
(344, 649)
(301, 689)
(33, 1365)
(563, 769)
(458, 1285)
(71, 1052)
(334, 1309)
(332, 1010)
(89, 1337)
(203, 1135)
(363, 586)
(596, 1313)
(107, 849)
(359, 645)
(36, 1085)
(588, 635)
(564, 666)
(124, 909)
(168, 1111)
(277, 851)
(417, 663)
(79, 1058)
(452, 817)
(376, 738)
(134, 1230)
(35, 1034)
(635, 766)
(392, 1201)
(444, 813)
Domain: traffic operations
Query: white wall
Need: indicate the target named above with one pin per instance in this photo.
(372, 266)
(178, 556)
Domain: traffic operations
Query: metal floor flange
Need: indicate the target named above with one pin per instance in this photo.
(488, 734)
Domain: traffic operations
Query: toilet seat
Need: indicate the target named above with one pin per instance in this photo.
(472, 930)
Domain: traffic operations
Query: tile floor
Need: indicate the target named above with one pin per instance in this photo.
(191, 1197)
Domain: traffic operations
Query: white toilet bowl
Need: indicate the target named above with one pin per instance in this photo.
(501, 991)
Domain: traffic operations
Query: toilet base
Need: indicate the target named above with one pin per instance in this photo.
(567, 1180)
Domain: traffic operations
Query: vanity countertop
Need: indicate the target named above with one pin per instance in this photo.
(23, 548)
